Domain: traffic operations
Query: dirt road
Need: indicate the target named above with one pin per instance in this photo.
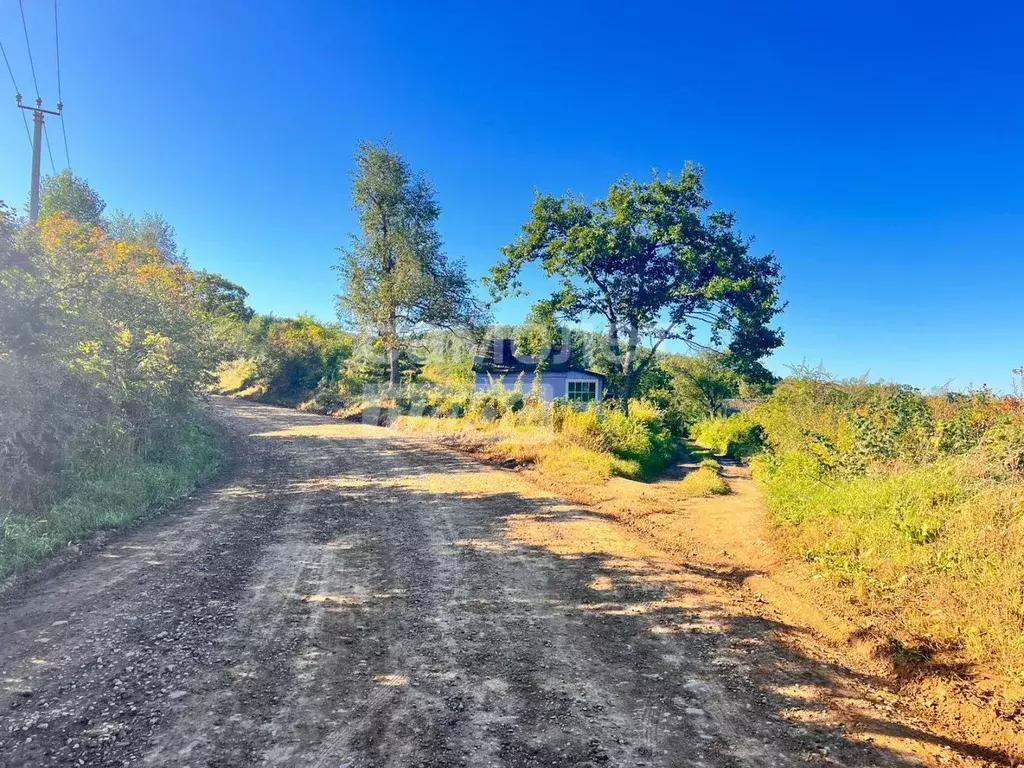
(348, 597)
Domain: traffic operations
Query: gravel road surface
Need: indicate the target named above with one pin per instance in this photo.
(344, 596)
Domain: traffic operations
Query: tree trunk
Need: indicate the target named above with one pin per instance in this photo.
(628, 383)
(628, 367)
(613, 340)
(393, 375)
(393, 349)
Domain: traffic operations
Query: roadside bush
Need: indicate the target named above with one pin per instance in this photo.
(704, 481)
(1004, 446)
(552, 435)
(105, 343)
(449, 405)
(584, 428)
(235, 377)
(641, 437)
(736, 436)
(913, 504)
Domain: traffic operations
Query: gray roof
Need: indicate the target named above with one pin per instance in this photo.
(500, 356)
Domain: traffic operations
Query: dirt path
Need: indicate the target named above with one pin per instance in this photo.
(347, 597)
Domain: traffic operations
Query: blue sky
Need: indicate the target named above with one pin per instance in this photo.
(876, 149)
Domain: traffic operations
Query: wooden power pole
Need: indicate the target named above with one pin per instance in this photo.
(38, 116)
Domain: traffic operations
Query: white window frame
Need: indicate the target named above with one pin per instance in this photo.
(589, 397)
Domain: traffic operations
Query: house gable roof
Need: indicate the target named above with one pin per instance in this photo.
(500, 356)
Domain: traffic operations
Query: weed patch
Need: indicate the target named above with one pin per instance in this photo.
(912, 505)
(104, 497)
(737, 436)
(703, 481)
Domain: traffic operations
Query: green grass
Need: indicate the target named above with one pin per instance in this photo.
(109, 497)
(583, 447)
(936, 548)
(711, 463)
(704, 481)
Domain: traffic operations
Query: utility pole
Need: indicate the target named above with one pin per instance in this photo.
(38, 116)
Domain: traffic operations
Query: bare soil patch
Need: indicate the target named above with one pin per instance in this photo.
(348, 596)
(728, 538)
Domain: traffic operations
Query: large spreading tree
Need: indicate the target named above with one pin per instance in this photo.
(396, 279)
(656, 263)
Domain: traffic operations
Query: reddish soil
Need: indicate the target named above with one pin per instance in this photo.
(348, 596)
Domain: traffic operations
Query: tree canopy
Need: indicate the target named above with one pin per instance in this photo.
(223, 298)
(71, 195)
(396, 279)
(655, 262)
(700, 385)
(150, 229)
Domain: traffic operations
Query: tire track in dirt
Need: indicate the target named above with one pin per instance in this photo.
(347, 597)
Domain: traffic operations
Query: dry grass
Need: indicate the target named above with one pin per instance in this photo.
(703, 481)
(935, 552)
(557, 457)
(237, 378)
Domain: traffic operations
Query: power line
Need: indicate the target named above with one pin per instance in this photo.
(56, 39)
(24, 26)
(46, 133)
(63, 130)
(9, 70)
(60, 98)
(17, 91)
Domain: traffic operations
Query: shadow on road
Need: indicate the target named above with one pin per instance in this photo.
(658, 627)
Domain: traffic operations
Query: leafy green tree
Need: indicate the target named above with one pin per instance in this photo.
(541, 333)
(396, 279)
(71, 195)
(223, 298)
(656, 263)
(149, 230)
(301, 354)
(701, 384)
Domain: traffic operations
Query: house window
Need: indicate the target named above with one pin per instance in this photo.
(582, 391)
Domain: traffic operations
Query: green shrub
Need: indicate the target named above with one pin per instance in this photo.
(641, 438)
(1004, 446)
(106, 338)
(711, 464)
(704, 481)
(737, 436)
(584, 428)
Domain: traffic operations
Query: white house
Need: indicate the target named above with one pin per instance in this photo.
(498, 361)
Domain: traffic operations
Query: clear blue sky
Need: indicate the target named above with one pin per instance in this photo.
(877, 149)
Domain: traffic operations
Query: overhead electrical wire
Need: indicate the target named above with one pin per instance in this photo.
(35, 82)
(46, 133)
(17, 90)
(24, 26)
(60, 98)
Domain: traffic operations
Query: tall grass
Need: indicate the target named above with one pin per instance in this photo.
(913, 505)
(100, 496)
(583, 445)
